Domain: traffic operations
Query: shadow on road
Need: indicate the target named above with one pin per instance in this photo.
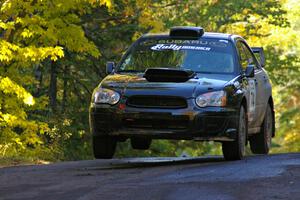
(127, 163)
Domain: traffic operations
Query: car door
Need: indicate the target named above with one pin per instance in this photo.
(260, 80)
(254, 85)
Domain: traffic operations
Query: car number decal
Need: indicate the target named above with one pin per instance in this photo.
(252, 98)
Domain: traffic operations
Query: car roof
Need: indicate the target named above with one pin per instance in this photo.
(225, 36)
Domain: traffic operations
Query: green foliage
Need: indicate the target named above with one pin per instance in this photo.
(31, 32)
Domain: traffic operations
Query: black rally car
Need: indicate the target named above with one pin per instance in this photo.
(185, 85)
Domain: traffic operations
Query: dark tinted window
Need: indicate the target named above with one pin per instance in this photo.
(204, 55)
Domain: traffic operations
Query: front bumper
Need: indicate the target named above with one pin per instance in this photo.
(191, 123)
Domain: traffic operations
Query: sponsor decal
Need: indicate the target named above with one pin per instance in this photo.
(219, 43)
(226, 41)
(176, 47)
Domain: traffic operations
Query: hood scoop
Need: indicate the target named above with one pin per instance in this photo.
(168, 75)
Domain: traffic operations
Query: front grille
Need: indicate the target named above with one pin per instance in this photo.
(156, 102)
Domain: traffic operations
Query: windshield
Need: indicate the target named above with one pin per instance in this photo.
(203, 55)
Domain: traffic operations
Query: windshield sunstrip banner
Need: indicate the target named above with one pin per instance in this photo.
(178, 47)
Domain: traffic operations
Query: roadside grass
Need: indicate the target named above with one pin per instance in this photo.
(16, 161)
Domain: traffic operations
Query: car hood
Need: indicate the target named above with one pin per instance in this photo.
(135, 84)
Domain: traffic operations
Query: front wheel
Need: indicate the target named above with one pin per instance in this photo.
(236, 150)
(104, 147)
(260, 143)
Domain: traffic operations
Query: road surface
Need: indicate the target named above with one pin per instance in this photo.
(256, 177)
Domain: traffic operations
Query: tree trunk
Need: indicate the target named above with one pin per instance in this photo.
(65, 89)
(53, 86)
(39, 77)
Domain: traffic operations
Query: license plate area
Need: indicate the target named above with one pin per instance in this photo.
(155, 121)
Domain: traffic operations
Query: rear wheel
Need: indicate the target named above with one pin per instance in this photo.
(140, 143)
(260, 143)
(104, 147)
(236, 150)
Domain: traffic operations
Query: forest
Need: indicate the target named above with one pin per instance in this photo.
(53, 54)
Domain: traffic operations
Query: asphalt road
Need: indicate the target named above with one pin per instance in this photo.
(256, 177)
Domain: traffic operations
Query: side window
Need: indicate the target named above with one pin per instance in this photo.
(243, 59)
(251, 59)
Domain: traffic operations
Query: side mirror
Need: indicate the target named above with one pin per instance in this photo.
(110, 66)
(260, 55)
(249, 72)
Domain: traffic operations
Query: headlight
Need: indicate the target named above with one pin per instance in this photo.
(105, 96)
(217, 98)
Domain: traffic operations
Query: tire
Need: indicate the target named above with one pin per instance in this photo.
(261, 143)
(104, 147)
(140, 143)
(236, 150)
